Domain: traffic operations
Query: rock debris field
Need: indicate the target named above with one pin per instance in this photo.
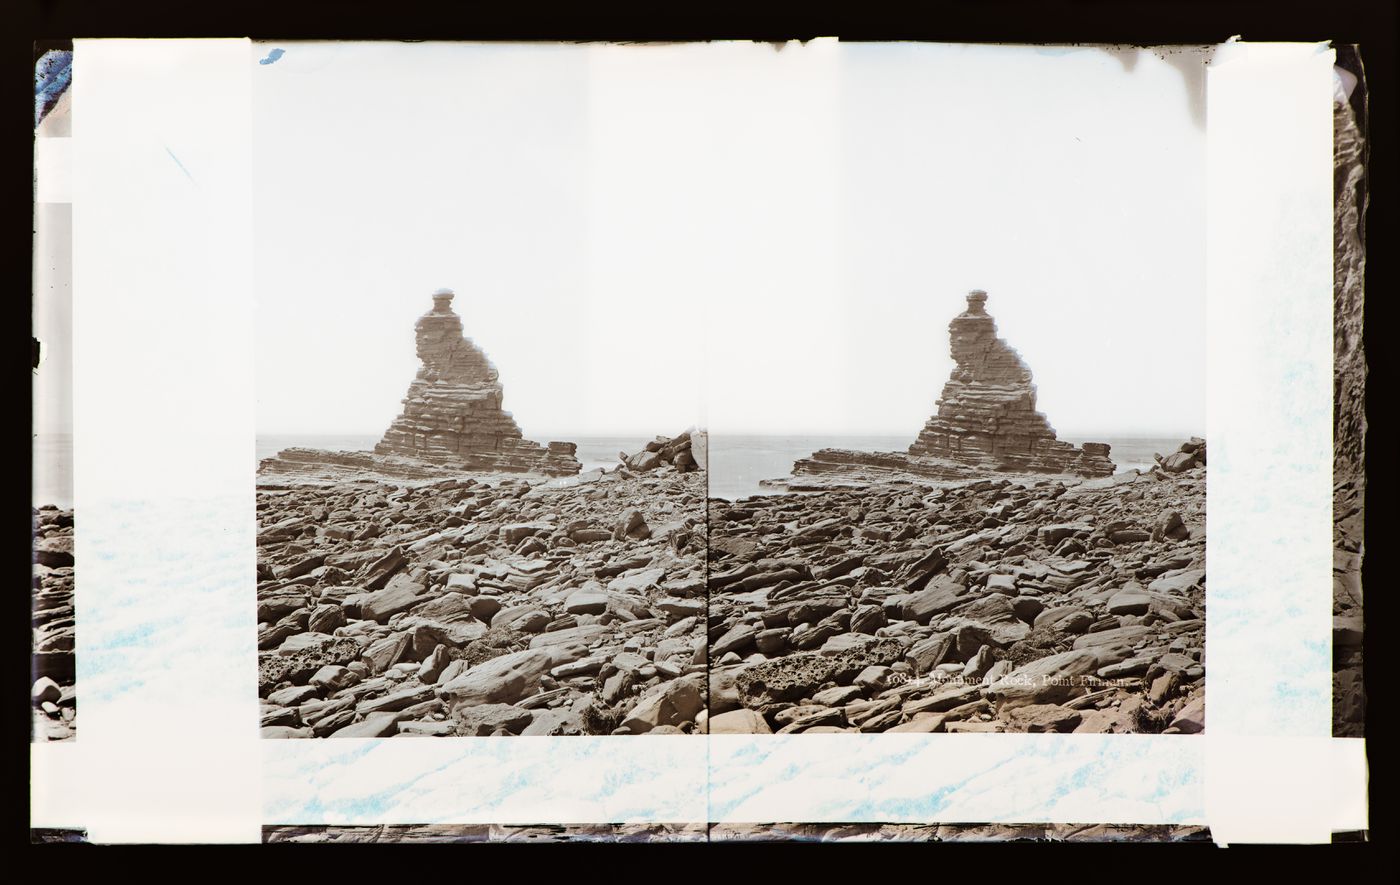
(1016, 604)
(52, 695)
(462, 581)
(476, 607)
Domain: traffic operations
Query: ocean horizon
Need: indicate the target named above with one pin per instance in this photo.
(737, 462)
(594, 452)
(51, 473)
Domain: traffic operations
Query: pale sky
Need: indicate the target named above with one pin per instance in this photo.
(764, 241)
(53, 317)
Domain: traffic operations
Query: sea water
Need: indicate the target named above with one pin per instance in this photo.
(593, 451)
(53, 470)
(739, 463)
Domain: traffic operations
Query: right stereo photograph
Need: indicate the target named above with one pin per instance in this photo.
(997, 522)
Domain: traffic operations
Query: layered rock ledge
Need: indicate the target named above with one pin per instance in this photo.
(303, 465)
(1349, 417)
(992, 605)
(53, 623)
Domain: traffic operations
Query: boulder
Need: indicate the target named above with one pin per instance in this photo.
(489, 719)
(377, 725)
(502, 680)
(401, 594)
(739, 722)
(632, 526)
(671, 703)
(1191, 719)
(943, 594)
(1048, 680)
(587, 601)
(1129, 601)
(1041, 718)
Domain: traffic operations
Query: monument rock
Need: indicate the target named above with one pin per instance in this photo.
(452, 421)
(452, 414)
(985, 419)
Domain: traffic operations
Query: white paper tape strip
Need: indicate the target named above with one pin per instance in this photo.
(53, 170)
(1349, 781)
(164, 455)
(521, 780)
(981, 778)
(1269, 420)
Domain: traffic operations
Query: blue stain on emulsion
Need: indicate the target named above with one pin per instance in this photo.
(52, 74)
(272, 56)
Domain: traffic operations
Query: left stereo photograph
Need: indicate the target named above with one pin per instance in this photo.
(425, 566)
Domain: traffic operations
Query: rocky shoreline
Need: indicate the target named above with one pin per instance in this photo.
(53, 693)
(485, 604)
(1001, 604)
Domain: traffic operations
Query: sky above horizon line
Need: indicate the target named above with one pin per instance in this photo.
(646, 238)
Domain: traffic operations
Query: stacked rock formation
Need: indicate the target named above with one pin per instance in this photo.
(1189, 456)
(53, 697)
(986, 420)
(986, 415)
(1028, 605)
(685, 453)
(452, 414)
(468, 608)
